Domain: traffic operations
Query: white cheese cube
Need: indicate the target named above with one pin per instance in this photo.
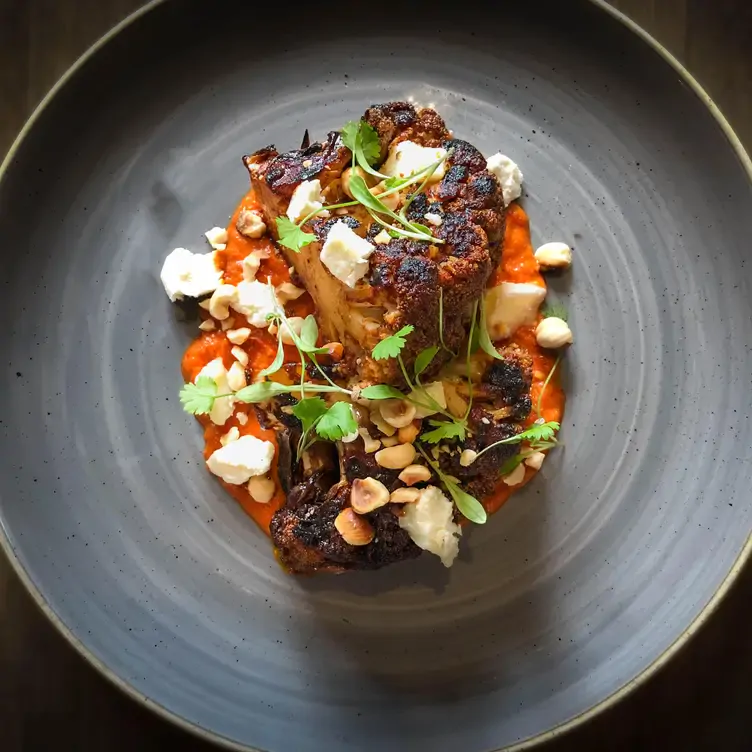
(256, 300)
(217, 238)
(240, 460)
(187, 274)
(407, 158)
(223, 407)
(306, 198)
(346, 254)
(509, 174)
(510, 305)
(430, 523)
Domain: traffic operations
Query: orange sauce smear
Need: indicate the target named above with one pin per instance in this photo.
(518, 264)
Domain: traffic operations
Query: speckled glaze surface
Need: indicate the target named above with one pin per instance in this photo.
(578, 584)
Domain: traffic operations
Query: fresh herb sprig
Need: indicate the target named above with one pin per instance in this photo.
(468, 505)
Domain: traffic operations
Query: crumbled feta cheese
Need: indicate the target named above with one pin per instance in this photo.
(383, 238)
(432, 391)
(407, 158)
(240, 460)
(346, 254)
(509, 175)
(186, 274)
(306, 198)
(554, 256)
(535, 460)
(429, 521)
(223, 407)
(516, 476)
(217, 238)
(256, 300)
(236, 376)
(433, 219)
(510, 305)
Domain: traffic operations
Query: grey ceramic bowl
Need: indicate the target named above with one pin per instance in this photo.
(583, 583)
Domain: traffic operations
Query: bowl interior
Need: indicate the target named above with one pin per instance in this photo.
(580, 582)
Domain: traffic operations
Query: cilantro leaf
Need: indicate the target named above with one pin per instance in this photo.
(421, 228)
(291, 236)
(363, 141)
(536, 433)
(424, 358)
(391, 347)
(443, 430)
(336, 422)
(556, 310)
(484, 339)
(349, 133)
(381, 392)
(309, 333)
(309, 410)
(261, 392)
(276, 364)
(198, 398)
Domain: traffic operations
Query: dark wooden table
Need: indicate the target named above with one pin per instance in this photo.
(51, 699)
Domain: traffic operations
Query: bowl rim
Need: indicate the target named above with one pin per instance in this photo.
(537, 739)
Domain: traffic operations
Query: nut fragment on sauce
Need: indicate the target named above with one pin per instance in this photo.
(355, 530)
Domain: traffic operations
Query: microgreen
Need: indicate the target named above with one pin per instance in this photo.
(363, 141)
(557, 310)
(381, 392)
(336, 422)
(545, 385)
(291, 235)
(198, 398)
(423, 360)
(276, 364)
(308, 411)
(539, 436)
(443, 430)
(484, 339)
(391, 347)
(468, 505)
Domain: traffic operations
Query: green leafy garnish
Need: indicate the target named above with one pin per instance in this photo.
(512, 463)
(198, 398)
(536, 433)
(336, 422)
(391, 347)
(291, 235)
(538, 407)
(276, 364)
(555, 310)
(309, 333)
(468, 505)
(443, 430)
(265, 390)
(309, 410)
(423, 360)
(381, 392)
(362, 140)
(484, 339)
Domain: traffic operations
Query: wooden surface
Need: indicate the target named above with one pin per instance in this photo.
(51, 699)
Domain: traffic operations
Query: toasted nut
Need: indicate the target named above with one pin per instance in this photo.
(369, 444)
(553, 332)
(516, 476)
(221, 298)
(380, 423)
(228, 324)
(396, 412)
(408, 434)
(217, 238)
(296, 324)
(240, 355)
(468, 457)
(392, 201)
(368, 494)
(535, 460)
(404, 495)
(250, 224)
(347, 174)
(236, 376)
(397, 457)
(205, 303)
(456, 403)
(232, 435)
(413, 474)
(383, 238)
(390, 441)
(554, 256)
(207, 325)
(287, 291)
(261, 488)
(334, 351)
(354, 529)
(252, 262)
(238, 336)
(242, 418)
